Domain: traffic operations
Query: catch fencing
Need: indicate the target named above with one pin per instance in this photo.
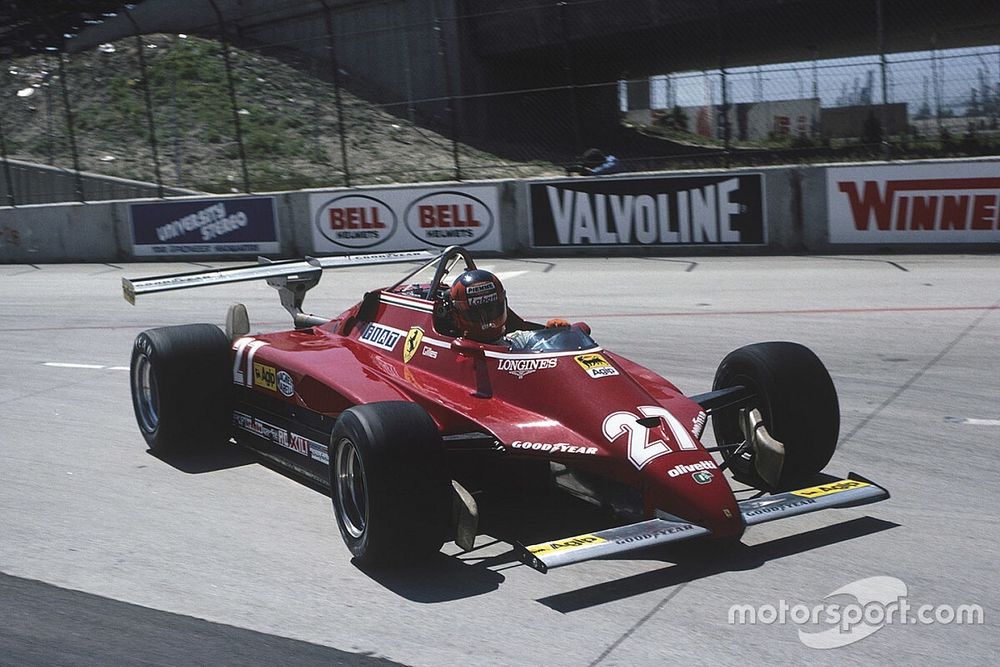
(268, 96)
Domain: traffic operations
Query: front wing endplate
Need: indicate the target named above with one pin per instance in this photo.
(839, 493)
(634, 536)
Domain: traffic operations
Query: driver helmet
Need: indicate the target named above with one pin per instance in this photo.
(479, 304)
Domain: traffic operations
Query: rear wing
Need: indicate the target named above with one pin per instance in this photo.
(292, 278)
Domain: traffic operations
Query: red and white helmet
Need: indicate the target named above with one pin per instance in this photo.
(479, 305)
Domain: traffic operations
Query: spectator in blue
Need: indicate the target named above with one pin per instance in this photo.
(597, 163)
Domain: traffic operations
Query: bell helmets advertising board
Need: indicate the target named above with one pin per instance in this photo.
(715, 209)
(405, 219)
(238, 226)
(955, 202)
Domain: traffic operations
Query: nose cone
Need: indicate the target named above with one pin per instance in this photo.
(695, 490)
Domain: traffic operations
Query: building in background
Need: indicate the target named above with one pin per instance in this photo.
(749, 121)
(849, 122)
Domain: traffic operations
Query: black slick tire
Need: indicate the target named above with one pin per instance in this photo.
(797, 400)
(391, 494)
(181, 381)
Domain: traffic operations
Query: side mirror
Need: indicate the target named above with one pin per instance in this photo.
(369, 306)
(478, 353)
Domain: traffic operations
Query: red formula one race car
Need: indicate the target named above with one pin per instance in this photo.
(403, 419)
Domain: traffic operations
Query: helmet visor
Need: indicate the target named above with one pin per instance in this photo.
(486, 309)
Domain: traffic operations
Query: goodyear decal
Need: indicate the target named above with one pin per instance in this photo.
(413, 338)
(265, 376)
(595, 365)
(569, 544)
(832, 487)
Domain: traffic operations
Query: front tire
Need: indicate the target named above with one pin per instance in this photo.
(390, 491)
(182, 387)
(797, 401)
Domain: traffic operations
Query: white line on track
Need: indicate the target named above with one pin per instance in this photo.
(972, 421)
(94, 367)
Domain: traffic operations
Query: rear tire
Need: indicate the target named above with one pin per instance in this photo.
(182, 387)
(797, 401)
(391, 494)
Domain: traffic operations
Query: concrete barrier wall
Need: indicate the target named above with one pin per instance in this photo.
(796, 207)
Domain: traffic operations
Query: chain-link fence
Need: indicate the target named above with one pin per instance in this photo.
(287, 95)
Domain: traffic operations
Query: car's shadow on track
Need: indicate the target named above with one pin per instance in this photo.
(455, 575)
(210, 459)
(442, 579)
(697, 560)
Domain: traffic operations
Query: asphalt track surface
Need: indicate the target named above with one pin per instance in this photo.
(109, 555)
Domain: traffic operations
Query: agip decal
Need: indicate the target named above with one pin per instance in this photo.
(265, 376)
(833, 487)
(595, 365)
(568, 544)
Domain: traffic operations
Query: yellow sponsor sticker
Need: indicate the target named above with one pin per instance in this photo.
(265, 376)
(568, 544)
(592, 360)
(832, 487)
(412, 344)
(595, 365)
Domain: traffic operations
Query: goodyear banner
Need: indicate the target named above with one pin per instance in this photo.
(716, 209)
(405, 219)
(952, 202)
(239, 226)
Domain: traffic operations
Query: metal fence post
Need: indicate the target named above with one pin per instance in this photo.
(721, 8)
(6, 168)
(49, 128)
(341, 130)
(232, 95)
(880, 27)
(77, 179)
(450, 94)
(569, 78)
(140, 45)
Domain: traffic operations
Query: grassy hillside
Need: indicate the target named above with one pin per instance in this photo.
(289, 121)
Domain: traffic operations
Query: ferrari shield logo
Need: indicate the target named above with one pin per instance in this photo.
(413, 338)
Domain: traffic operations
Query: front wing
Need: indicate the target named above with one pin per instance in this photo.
(841, 493)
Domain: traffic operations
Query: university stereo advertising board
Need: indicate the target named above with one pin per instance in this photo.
(406, 219)
(944, 202)
(703, 209)
(222, 226)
